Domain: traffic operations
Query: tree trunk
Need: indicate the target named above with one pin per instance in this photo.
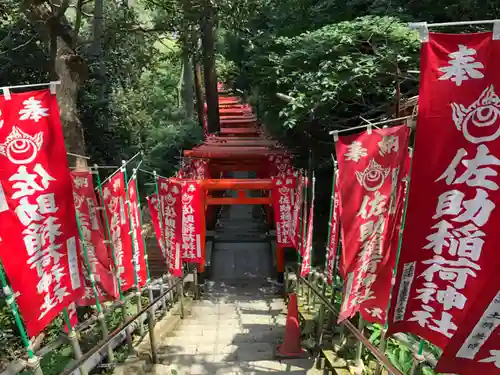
(96, 49)
(68, 67)
(187, 81)
(199, 94)
(208, 46)
(187, 72)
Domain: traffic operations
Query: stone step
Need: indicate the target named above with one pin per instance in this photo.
(250, 237)
(255, 320)
(184, 366)
(241, 221)
(243, 352)
(211, 338)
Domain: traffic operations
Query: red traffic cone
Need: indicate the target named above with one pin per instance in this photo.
(291, 343)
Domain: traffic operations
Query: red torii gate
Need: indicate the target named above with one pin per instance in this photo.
(240, 146)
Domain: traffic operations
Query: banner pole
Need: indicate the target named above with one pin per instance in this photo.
(310, 176)
(134, 249)
(146, 258)
(383, 341)
(161, 240)
(417, 25)
(313, 195)
(310, 218)
(303, 224)
(100, 314)
(334, 278)
(111, 249)
(332, 207)
(332, 204)
(33, 360)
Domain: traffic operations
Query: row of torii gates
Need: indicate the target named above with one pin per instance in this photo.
(240, 146)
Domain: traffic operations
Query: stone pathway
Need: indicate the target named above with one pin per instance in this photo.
(233, 330)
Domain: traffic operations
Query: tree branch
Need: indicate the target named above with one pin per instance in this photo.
(78, 20)
(144, 30)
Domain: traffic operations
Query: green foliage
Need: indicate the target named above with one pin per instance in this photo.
(23, 56)
(400, 354)
(226, 70)
(10, 344)
(334, 74)
(130, 93)
(137, 107)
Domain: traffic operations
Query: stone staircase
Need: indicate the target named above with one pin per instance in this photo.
(233, 330)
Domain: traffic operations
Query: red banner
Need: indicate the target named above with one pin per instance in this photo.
(297, 210)
(282, 195)
(371, 166)
(307, 243)
(170, 200)
(139, 256)
(451, 233)
(475, 347)
(153, 205)
(191, 221)
(114, 196)
(38, 232)
(334, 224)
(93, 238)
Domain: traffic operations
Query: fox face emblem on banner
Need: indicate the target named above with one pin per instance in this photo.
(449, 260)
(370, 170)
(39, 236)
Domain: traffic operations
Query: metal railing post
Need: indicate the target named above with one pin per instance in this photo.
(33, 364)
(181, 296)
(418, 358)
(73, 339)
(359, 346)
(195, 281)
(308, 291)
(163, 301)
(96, 349)
(152, 337)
